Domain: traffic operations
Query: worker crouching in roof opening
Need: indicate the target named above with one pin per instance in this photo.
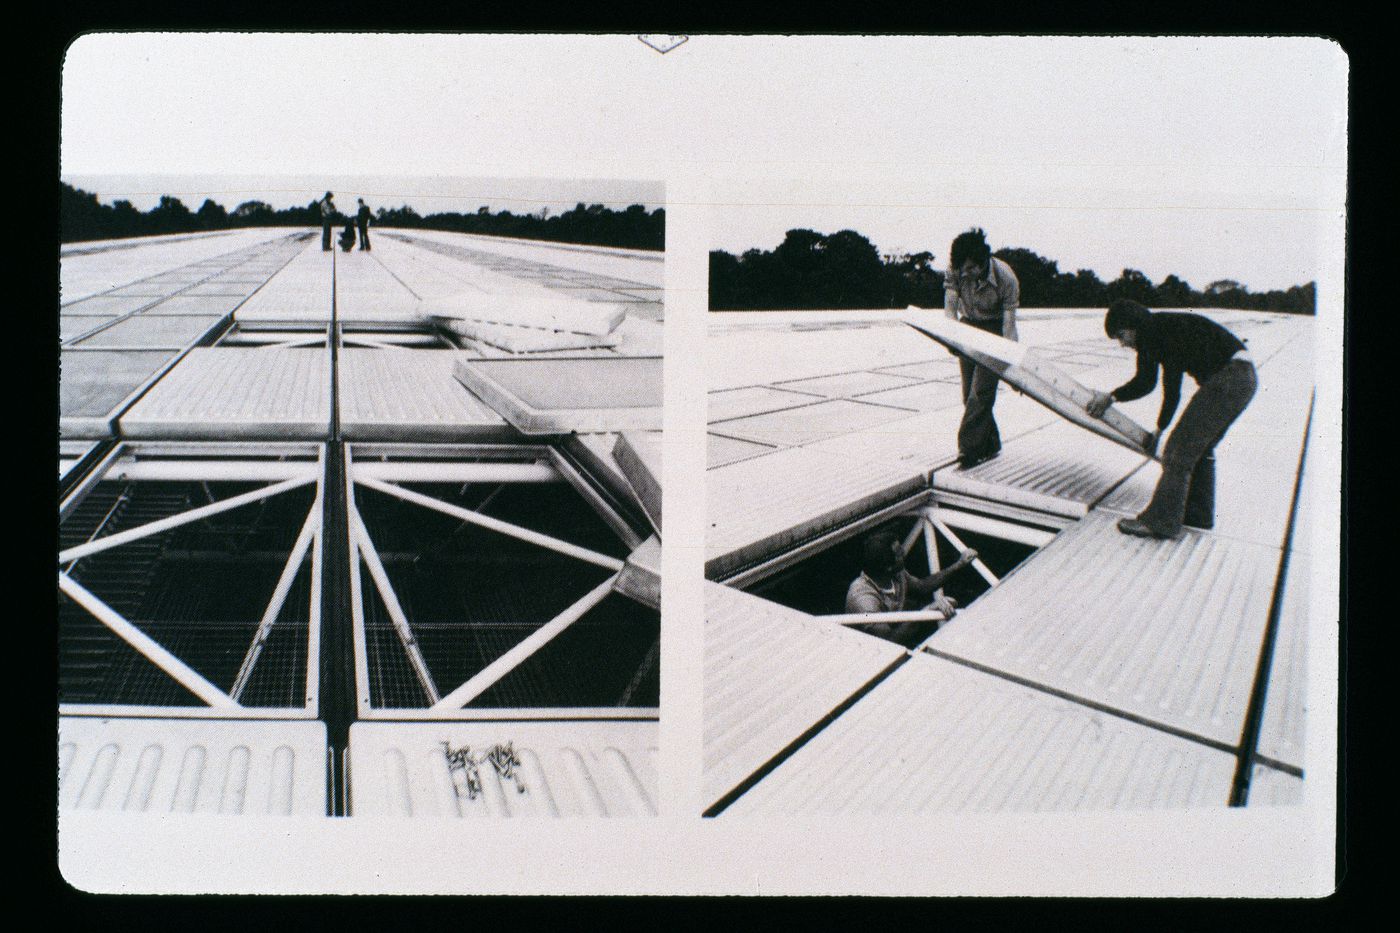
(982, 291)
(1178, 342)
(885, 586)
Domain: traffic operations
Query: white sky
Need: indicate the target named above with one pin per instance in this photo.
(1210, 158)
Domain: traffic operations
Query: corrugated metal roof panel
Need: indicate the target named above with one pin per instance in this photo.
(411, 396)
(1271, 788)
(300, 291)
(848, 384)
(227, 393)
(763, 506)
(753, 400)
(810, 423)
(142, 332)
(771, 673)
(565, 769)
(87, 269)
(753, 354)
(93, 386)
(1056, 469)
(248, 768)
(722, 450)
(937, 736)
(1166, 630)
(923, 396)
(1281, 733)
(366, 291)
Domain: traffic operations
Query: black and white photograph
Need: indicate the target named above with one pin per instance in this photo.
(1008, 501)
(360, 502)
(991, 386)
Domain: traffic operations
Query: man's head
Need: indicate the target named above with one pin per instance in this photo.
(1125, 321)
(882, 558)
(328, 194)
(970, 254)
(361, 200)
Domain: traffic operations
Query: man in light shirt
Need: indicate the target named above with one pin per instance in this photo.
(885, 586)
(982, 291)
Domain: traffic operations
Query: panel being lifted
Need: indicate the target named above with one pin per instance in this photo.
(246, 394)
(638, 453)
(1032, 374)
(567, 395)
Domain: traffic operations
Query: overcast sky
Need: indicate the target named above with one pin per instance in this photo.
(1208, 158)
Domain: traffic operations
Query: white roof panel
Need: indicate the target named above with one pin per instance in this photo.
(557, 396)
(227, 393)
(405, 395)
(1281, 733)
(1169, 631)
(938, 736)
(771, 673)
(638, 455)
(249, 768)
(565, 769)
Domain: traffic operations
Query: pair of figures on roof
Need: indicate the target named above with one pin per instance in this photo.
(330, 216)
(982, 291)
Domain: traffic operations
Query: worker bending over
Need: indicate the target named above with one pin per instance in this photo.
(1176, 343)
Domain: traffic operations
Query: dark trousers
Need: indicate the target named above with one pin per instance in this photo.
(326, 235)
(364, 235)
(1186, 492)
(978, 435)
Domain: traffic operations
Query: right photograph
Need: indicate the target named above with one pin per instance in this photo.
(1006, 507)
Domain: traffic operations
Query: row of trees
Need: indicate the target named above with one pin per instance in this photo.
(83, 217)
(845, 270)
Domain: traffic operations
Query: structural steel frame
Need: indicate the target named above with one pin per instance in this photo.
(124, 463)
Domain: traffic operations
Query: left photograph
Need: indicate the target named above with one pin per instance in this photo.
(360, 495)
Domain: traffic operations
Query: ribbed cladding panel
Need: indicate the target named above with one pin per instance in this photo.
(753, 400)
(645, 267)
(410, 395)
(365, 290)
(937, 737)
(1282, 732)
(749, 356)
(300, 291)
(921, 442)
(426, 274)
(567, 769)
(252, 768)
(761, 507)
(1272, 788)
(1059, 468)
(1169, 631)
(771, 673)
(89, 273)
(217, 392)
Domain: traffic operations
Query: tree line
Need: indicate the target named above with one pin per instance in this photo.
(82, 217)
(844, 270)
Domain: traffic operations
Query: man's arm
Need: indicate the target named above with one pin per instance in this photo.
(1171, 396)
(1010, 293)
(952, 303)
(924, 587)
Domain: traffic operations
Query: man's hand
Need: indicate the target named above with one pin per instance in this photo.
(1151, 444)
(1099, 404)
(944, 605)
(967, 557)
(952, 313)
(1009, 331)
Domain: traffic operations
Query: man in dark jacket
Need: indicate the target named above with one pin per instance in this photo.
(327, 216)
(362, 221)
(1180, 343)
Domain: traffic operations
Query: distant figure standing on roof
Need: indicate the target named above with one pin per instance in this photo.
(980, 290)
(327, 217)
(885, 586)
(362, 220)
(1179, 342)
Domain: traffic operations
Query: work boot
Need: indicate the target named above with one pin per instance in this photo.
(1139, 529)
